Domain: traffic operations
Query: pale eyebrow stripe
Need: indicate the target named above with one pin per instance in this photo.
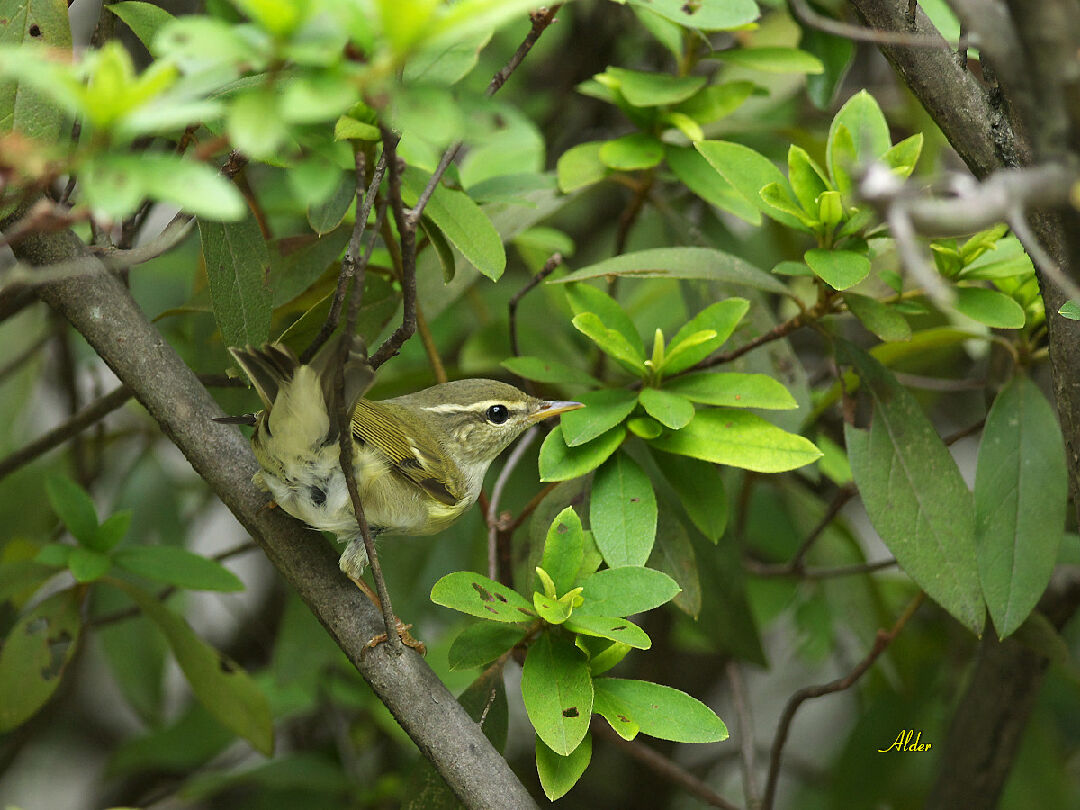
(478, 407)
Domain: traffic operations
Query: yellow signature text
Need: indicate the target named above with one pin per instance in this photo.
(907, 740)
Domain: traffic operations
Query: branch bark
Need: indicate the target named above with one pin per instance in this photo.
(99, 307)
(987, 128)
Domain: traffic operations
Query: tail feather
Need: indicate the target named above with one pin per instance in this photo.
(269, 368)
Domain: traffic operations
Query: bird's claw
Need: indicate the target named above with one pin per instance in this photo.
(405, 636)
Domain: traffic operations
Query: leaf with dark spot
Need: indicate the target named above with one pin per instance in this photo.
(479, 596)
(570, 712)
(34, 655)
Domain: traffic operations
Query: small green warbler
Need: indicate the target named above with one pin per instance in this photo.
(419, 459)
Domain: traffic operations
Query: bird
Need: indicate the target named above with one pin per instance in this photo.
(419, 459)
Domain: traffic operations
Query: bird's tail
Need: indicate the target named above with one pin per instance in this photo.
(303, 396)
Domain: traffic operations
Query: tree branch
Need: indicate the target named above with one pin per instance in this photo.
(884, 638)
(79, 422)
(101, 309)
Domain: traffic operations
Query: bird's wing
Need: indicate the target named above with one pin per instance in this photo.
(412, 455)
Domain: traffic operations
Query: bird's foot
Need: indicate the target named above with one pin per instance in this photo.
(405, 636)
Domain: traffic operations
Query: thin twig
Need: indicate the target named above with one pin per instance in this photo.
(61, 433)
(549, 267)
(171, 236)
(357, 270)
(437, 367)
(364, 201)
(802, 11)
(745, 731)
(541, 19)
(663, 766)
(839, 501)
(884, 638)
(769, 570)
(15, 362)
(494, 523)
(530, 507)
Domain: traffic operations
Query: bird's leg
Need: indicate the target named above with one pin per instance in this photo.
(352, 563)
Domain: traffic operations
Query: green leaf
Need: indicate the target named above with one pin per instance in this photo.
(34, 656)
(1070, 310)
(179, 567)
(625, 591)
(226, 690)
(644, 427)
(296, 272)
(836, 54)
(603, 410)
(25, 106)
(547, 371)
(839, 269)
(878, 317)
(716, 101)
(739, 439)
(989, 307)
(615, 712)
(237, 267)
(780, 199)
(477, 595)
(635, 151)
(580, 166)
(610, 627)
(733, 390)
(721, 317)
(442, 248)
(552, 611)
(327, 215)
(842, 161)
(807, 179)
(558, 774)
(564, 550)
(87, 565)
(611, 341)
(902, 157)
(654, 89)
(481, 643)
(1005, 260)
(711, 16)
(668, 408)
(622, 512)
(461, 221)
(691, 262)
(700, 488)
(111, 531)
(865, 123)
(607, 658)
(749, 172)
(144, 19)
(663, 712)
(772, 60)
(256, 123)
(347, 128)
(674, 555)
(1021, 488)
(914, 494)
(558, 462)
(558, 692)
(74, 507)
(697, 175)
(586, 298)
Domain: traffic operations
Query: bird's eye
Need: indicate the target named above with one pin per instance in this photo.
(497, 414)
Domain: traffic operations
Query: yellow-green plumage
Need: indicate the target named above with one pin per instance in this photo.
(419, 459)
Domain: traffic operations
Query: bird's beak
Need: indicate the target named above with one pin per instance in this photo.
(549, 409)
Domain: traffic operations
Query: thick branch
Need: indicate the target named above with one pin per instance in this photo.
(103, 311)
(980, 132)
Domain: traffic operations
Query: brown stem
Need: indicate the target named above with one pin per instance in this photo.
(61, 433)
(663, 766)
(884, 638)
(430, 348)
(496, 530)
(549, 267)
